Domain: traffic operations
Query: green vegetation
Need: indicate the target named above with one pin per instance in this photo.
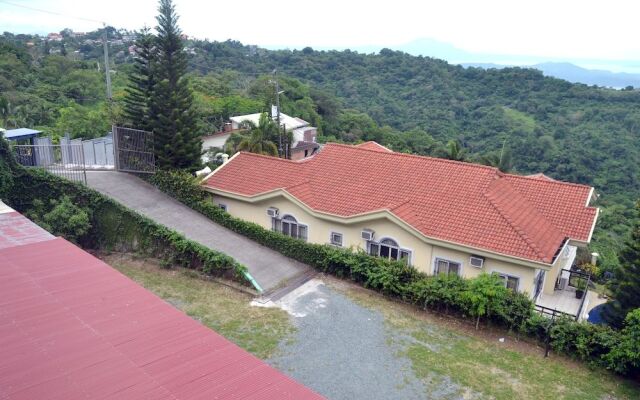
(260, 139)
(61, 217)
(478, 297)
(515, 119)
(224, 309)
(480, 366)
(97, 222)
(176, 138)
(626, 285)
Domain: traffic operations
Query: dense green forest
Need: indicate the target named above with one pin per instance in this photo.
(571, 132)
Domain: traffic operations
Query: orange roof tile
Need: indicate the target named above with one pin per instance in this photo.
(463, 203)
(371, 145)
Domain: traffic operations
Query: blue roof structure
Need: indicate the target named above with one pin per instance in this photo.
(21, 133)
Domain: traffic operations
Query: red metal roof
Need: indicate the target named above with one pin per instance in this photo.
(71, 327)
(15, 229)
(459, 202)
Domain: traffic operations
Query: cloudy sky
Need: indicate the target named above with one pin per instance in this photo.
(603, 30)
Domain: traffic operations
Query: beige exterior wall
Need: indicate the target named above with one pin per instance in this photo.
(423, 254)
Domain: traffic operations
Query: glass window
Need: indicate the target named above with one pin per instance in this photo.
(223, 206)
(336, 239)
(289, 226)
(374, 249)
(390, 250)
(446, 267)
(510, 282)
(405, 256)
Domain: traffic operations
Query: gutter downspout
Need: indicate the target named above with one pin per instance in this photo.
(255, 284)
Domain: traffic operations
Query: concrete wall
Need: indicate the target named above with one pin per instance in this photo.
(423, 254)
(214, 141)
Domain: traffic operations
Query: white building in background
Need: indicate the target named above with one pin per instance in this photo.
(304, 135)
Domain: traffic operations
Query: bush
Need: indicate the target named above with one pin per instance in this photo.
(62, 218)
(482, 296)
(111, 226)
(389, 277)
(625, 357)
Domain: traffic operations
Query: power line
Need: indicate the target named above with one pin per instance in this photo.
(51, 12)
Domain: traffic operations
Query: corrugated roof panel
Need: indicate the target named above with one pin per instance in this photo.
(71, 327)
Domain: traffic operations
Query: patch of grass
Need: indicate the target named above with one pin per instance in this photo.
(520, 120)
(481, 367)
(226, 310)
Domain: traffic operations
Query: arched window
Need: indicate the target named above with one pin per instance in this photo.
(289, 225)
(389, 249)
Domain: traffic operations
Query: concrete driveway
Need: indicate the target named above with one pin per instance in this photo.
(269, 268)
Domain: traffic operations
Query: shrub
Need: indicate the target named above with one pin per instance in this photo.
(625, 357)
(482, 296)
(61, 218)
(111, 226)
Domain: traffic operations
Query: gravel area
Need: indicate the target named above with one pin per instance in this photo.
(343, 350)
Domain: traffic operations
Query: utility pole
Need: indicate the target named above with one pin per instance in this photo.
(502, 151)
(106, 62)
(275, 77)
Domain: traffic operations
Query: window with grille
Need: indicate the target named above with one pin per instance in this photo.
(289, 226)
(390, 250)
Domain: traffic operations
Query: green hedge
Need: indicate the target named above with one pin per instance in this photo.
(479, 297)
(115, 227)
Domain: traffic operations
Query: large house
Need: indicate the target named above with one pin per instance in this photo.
(304, 135)
(441, 216)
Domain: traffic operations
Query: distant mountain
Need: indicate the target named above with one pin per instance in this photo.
(576, 74)
(562, 69)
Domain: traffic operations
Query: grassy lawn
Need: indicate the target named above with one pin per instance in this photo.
(442, 350)
(226, 310)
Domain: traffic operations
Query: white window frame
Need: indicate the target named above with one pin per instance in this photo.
(400, 249)
(277, 226)
(505, 277)
(437, 259)
(336, 243)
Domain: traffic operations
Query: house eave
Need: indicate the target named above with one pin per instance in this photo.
(377, 214)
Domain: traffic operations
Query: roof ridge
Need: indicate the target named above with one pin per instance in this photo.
(248, 153)
(409, 155)
(493, 200)
(554, 181)
(518, 231)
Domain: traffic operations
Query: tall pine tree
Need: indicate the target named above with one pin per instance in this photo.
(626, 285)
(139, 91)
(177, 140)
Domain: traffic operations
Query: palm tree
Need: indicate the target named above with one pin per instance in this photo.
(455, 150)
(258, 138)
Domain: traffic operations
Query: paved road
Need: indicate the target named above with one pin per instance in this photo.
(269, 268)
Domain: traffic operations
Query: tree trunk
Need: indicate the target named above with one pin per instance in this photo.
(477, 322)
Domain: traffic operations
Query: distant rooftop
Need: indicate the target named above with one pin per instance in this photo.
(21, 133)
(288, 121)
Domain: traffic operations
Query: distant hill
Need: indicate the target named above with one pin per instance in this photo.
(573, 73)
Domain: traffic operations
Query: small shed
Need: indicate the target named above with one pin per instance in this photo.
(22, 135)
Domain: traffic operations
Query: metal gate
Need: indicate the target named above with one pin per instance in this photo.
(65, 160)
(133, 150)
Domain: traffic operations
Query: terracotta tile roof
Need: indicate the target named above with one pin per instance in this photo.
(463, 203)
(371, 145)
